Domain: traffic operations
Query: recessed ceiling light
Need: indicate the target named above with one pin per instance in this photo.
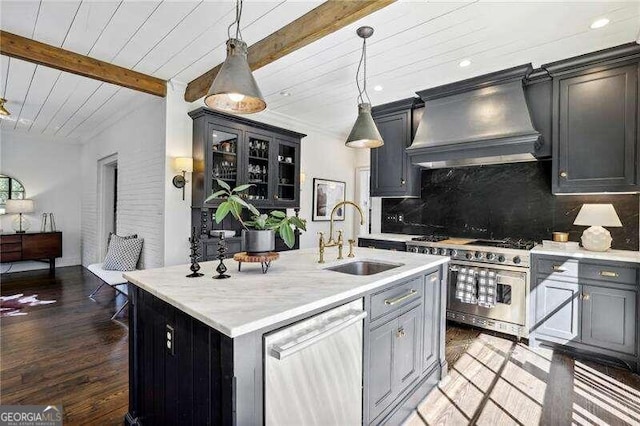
(378, 88)
(464, 63)
(285, 93)
(599, 23)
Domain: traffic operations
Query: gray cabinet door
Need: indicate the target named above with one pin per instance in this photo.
(406, 352)
(431, 323)
(557, 305)
(381, 371)
(596, 140)
(609, 318)
(389, 163)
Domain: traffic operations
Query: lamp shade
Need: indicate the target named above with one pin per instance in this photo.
(597, 215)
(19, 206)
(364, 133)
(234, 89)
(183, 164)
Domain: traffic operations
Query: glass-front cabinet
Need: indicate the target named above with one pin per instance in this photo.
(239, 151)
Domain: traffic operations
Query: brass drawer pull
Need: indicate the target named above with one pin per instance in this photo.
(558, 268)
(586, 296)
(391, 302)
(400, 332)
(609, 274)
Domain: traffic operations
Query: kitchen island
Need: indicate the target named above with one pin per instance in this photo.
(198, 346)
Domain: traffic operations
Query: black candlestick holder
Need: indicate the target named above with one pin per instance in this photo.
(222, 249)
(194, 242)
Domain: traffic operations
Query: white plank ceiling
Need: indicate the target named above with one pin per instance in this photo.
(416, 45)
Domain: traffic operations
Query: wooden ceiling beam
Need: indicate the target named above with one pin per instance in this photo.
(317, 23)
(34, 51)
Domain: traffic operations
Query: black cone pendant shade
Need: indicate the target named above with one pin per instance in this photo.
(364, 134)
(234, 89)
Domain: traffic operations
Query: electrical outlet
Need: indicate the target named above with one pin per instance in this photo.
(170, 339)
(400, 218)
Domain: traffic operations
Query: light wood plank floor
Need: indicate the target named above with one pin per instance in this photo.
(495, 381)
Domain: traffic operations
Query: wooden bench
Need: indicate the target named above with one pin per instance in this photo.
(114, 279)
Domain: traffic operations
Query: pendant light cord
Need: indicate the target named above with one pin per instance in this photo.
(236, 22)
(362, 64)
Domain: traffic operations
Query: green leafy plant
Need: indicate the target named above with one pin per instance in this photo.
(275, 220)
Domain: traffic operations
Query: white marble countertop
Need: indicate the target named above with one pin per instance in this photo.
(611, 255)
(295, 284)
(403, 238)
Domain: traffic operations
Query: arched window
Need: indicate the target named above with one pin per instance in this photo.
(10, 189)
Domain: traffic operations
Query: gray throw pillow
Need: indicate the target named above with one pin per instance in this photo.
(123, 253)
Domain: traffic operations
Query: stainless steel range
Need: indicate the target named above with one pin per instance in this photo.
(506, 262)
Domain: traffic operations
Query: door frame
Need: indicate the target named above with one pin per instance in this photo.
(106, 199)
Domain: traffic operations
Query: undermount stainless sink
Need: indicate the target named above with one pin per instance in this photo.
(363, 267)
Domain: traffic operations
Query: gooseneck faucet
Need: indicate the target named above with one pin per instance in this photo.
(340, 243)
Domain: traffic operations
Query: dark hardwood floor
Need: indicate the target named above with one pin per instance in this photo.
(68, 352)
(71, 353)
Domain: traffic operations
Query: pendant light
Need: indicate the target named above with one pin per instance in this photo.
(364, 134)
(3, 110)
(234, 89)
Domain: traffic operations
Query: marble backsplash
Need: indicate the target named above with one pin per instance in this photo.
(504, 200)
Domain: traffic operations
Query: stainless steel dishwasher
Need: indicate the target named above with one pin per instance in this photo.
(313, 370)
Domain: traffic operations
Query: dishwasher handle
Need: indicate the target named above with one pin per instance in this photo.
(311, 337)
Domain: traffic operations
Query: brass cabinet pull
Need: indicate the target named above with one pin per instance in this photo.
(275, 197)
(391, 302)
(434, 279)
(402, 181)
(400, 332)
(586, 296)
(558, 268)
(563, 174)
(609, 274)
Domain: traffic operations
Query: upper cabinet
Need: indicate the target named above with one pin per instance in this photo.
(595, 122)
(392, 174)
(239, 151)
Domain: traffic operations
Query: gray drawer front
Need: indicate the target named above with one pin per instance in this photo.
(587, 270)
(558, 267)
(617, 274)
(396, 297)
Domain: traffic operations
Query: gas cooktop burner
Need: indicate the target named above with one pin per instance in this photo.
(430, 238)
(507, 243)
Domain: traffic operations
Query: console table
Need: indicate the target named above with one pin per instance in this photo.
(40, 246)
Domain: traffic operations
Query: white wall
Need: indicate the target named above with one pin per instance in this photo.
(177, 215)
(138, 138)
(48, 169)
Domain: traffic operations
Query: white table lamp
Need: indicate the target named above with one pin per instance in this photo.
(21, 224)
(595, 216)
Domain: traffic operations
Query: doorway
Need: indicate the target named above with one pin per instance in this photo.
(107, 201)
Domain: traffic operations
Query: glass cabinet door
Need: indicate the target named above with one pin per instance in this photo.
(287, 180)
(258, 167)
(223, 158)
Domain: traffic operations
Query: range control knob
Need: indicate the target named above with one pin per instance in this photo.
(517, 260)
(469, 255)
(425, 250)
(491, 256)
(414, 249)
(434, 250)
(479, 255)
(453, 253)
(443, 251)
(501, 258)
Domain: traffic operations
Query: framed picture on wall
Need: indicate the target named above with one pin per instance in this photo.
(326, 194)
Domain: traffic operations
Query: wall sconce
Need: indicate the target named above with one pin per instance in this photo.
(184, 165)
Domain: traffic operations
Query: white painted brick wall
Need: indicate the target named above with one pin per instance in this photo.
(139, 142)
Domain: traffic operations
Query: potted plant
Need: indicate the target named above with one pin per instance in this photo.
(259, 231)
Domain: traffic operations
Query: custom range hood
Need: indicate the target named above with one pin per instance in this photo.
(483, 120)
